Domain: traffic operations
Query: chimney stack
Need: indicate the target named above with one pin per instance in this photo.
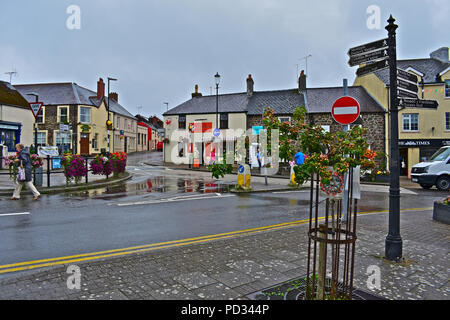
(302, 81)
(250, 84)
(100, 88)
(114, 96)
(441, 54)
(196, 94)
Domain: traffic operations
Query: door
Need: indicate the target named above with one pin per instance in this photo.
(84, 143)
(403, 161)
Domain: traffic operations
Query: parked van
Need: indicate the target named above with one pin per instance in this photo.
(435, 171)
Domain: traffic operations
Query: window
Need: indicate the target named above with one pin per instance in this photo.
(63, 115)
(326, 128)
(447, 88)
(447, 121)
(118, 123)
(410, 122)
(284, 119)
(224, 121)
(40, 117)
(182, 122)
(85, 115)
(41, 139)
(62, 141)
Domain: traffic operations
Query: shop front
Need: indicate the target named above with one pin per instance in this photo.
(413, 151)
(10, 134)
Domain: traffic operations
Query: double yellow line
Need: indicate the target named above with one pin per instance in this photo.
(28, 265)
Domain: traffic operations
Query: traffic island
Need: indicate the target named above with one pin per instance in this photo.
(77, 187)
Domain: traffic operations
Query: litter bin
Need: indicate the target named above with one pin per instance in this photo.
(39, 177)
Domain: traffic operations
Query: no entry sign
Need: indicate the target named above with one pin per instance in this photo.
(345, 110)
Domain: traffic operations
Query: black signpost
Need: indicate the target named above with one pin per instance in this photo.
(406, 76)
(407, 85)
(383, 64)
(367, 57)
(416, 103)
(372, 46)
(394, 243)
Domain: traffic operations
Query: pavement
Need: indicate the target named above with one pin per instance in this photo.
(232, 266)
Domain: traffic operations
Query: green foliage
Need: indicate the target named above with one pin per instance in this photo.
(219, 170)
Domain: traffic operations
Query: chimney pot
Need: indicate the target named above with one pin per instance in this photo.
(196, 93)
(250, 84)
(114, 96)
(302, 81)
(100, 88)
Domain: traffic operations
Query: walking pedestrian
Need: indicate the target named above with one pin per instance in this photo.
(258, 157)
(25, 163)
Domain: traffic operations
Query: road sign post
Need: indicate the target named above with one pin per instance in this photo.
(393, 245)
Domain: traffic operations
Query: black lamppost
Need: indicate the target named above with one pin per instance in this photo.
(217, 78)
(35, 129)
(109, 121)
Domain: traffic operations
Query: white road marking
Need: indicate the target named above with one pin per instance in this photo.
(14, 214)
(296, 191)
(175, 199)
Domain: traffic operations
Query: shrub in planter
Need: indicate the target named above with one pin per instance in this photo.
(74, 168)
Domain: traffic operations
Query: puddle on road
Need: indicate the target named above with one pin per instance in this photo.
(157, 185)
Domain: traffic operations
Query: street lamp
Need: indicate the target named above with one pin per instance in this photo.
(35, 129)
(217, 78)
(109, 122)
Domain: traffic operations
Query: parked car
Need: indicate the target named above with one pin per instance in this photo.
(435, 171)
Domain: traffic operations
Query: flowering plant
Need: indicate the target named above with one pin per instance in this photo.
(101, 166)
(74, 167)
(446, 201)
(36, 161)
(119, 162)
(12, 162)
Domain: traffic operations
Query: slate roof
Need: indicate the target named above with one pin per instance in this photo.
(9, 95)
(429, 67)
(318, 100)
(66, 94)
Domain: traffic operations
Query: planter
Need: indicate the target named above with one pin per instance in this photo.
(441, 212)
(378, 178)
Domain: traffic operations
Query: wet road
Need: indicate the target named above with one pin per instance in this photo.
(157, 205)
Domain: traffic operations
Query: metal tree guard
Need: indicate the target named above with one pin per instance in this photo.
(334, 280)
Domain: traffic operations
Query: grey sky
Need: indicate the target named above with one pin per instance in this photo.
(160, 49)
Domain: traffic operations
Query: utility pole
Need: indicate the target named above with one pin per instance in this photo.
(393, 249)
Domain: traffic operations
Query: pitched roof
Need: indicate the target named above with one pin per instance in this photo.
(430, 67)
(321, 100)
(68, 93)
(318, 100)
(10, 96)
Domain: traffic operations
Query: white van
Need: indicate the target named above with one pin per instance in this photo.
(435, 171)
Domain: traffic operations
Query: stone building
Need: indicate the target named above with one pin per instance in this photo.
(245, 111)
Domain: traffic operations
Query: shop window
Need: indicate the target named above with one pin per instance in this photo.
(410, 122)
(447, 88)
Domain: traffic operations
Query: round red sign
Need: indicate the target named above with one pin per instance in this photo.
(345, 110)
